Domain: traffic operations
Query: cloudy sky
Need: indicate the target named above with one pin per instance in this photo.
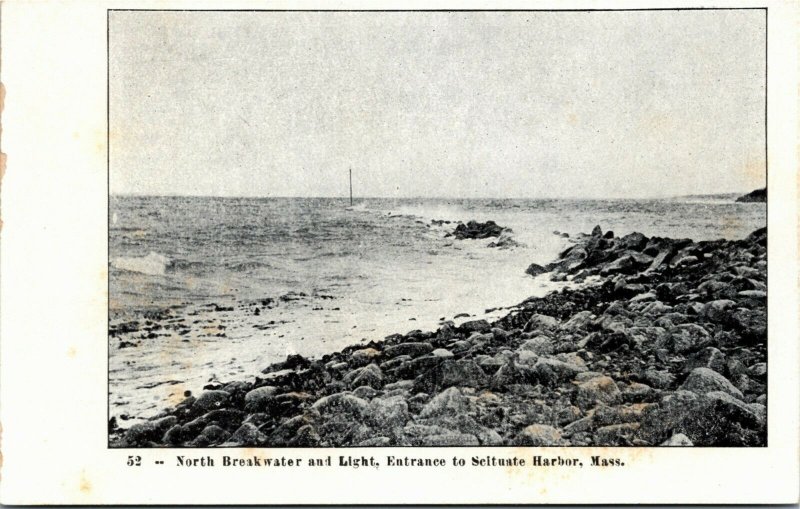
(471, 104)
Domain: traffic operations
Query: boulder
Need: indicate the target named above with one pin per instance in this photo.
(718, 310)
(476, 230)
(538, 435)
(388, 414)
(462, 373)
(364, 356)
(712, 419)
(450, 402)
(410, 349)
(601, 390)
(540, 345)
(475, 326)
(246, 435)
(539, 322)
(616, 434)
(704, 380)
(150, 431)
(370, 376)
(708, 357)
(635, 241)
(260, 399)
(210, 400)
(510, 374)
(677, 440)
(550, 371)
(578, 321)
(341, 403)
(214, 435)
(506, 240)
(660, 379)
(688, 337)
(296, 361)
(228, 418)
(535, 269)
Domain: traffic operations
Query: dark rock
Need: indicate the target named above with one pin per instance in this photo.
(214, 435)
(364, 356)
(246, 435)
(306, 436)
(295, 361)
(539, 322)
(462, 373)
(227, 418)
(210, 400)
(476, 230)
(261, 399)
(475, 326)
(616, 434)
(141, 433)
(552, 372)
(635, 241)
(370, 376)
(410, 349)
(689, 337)
(709, 357)
(535, 269)
(757, 196)
(713, 419)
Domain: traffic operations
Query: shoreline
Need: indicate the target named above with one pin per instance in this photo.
(669, 347)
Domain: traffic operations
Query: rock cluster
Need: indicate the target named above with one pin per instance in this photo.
(664, 344)
(476, 230)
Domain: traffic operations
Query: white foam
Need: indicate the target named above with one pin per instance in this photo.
(153, 264)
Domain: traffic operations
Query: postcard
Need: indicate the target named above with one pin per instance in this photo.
(399, 253)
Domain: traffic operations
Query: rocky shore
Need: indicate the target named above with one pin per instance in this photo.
(665, 343)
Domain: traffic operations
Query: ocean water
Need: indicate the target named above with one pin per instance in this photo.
(332, 275)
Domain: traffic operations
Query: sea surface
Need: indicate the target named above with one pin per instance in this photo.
(246, 281)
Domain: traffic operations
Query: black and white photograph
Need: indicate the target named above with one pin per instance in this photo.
(516, 228)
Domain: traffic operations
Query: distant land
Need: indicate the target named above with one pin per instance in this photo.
(759, 195)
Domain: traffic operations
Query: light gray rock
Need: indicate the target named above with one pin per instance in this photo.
(450, 402)
(601, 389)
(705, 380)
(537, 435)
(678, 440)
(390, 413)
(341, 402)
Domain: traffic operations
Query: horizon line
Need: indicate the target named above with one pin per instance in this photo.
(577, 198)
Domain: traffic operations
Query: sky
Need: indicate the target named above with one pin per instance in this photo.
(463, 105)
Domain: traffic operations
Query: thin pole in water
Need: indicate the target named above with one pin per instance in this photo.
(351, 186)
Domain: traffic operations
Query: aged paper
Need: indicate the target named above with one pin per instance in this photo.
(394, 252)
